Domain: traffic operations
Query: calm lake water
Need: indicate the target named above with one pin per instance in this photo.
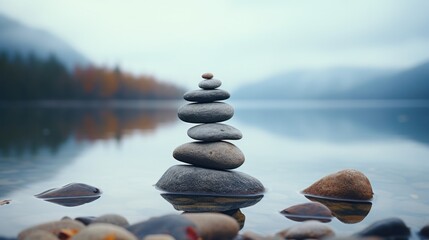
(124, 148)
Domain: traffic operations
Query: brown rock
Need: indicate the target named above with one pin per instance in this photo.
(214, 226)
(55, 227)
(207, 75)
(308, 229)
(308, 211)
(347, 184)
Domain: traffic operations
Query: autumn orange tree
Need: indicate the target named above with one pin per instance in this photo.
(30, 78)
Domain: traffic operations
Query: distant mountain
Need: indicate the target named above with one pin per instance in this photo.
(342, 83)
(409, 84)
(18, 38)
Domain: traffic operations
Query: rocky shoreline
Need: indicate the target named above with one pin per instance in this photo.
(207, 226)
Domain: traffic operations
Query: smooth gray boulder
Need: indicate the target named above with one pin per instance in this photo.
(187, 179)
(211, 132)
(210, 84)
(205, 96)
(215, 155)
(205, 112)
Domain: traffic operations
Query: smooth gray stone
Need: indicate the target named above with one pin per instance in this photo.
(196, 180)
(212, 132)
(215, 155)
(205, 96)
(205, 112)
(210, 84)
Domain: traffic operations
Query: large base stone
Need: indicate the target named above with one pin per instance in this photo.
(196, 180)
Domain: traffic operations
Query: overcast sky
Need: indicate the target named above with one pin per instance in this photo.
(239, 41)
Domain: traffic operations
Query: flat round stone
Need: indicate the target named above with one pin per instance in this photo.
(215, 155)
(205, 112)
(196, 180)
(210, 84)
(211, 132)
(205, 96)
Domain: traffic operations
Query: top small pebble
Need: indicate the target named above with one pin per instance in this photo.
(207, 75)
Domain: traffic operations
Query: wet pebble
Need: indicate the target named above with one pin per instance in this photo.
(54, 227)
(205, 112)
(308, 211)
(206, 96)
(214, 155)
(176, 226)
(211, 132)
(103, 231)
(386, 228)
(214, 226)
(308, 229)
(347, 184)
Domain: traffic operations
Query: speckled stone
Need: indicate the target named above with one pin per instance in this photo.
(214, 226)
(195, 180)
(210, 84)
(211, 132)
(215, 155)
(205, 112)
(205, 96)
(348, 184)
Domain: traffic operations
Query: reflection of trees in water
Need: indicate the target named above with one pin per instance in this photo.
(36, 142)
(29, 129)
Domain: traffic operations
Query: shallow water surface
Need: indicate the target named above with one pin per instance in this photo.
(124, 149)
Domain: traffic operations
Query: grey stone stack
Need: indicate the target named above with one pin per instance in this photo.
(210, 156)
(210, 150)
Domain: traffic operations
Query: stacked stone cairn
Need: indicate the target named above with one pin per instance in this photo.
(210, 157)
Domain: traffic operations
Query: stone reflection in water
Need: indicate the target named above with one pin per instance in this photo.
(346, 211)
(71, 195)
(209, 184)
(207, 203)
(37, 141)
(229, 205)
(308, 211)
